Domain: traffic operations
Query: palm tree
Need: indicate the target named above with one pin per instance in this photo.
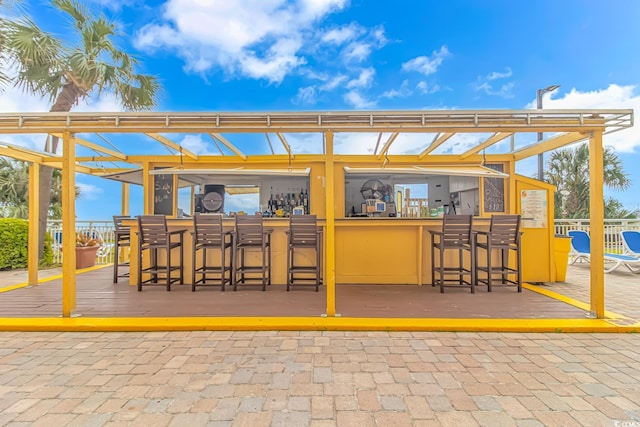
(14, 190)
(568, 169)
(65, 72)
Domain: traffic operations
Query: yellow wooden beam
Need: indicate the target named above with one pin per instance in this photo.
(21, 154)
(34, 225)
(68, 226)
(169, 143)
(387, 144)
(596, 223)
(95, 159)
(99, 148)
(229, 145)
(552, 143)
(330, 251)
(493, 139)
(439, 139)
(285, 144)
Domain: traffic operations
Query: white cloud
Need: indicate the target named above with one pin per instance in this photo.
(306, 95)
(483, 84)
(357, 52)
(402, 92)
(334, 82)
(364, 79)
(613, 97)
(89, 191)
(497, 75)
(342, 34)
(427, 65)
(425, 88)
(356, 99)
(254, 38)
(197, 145)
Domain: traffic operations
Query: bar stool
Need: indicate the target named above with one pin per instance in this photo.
(455, 236)
(304, 234)
(153, 235)
(208, 235)
(251, 236)
(503, 235)
(122, 238)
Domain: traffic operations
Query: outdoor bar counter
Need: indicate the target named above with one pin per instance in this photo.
(368, 250)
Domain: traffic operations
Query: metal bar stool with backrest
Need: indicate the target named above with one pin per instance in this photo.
(209, 235)
(304, 234)
(503, 235)
(153, 235)
(122, 238)
(455, 236)
(250, 236)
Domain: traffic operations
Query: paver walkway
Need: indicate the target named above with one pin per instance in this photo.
(319, 379)
(329, 378)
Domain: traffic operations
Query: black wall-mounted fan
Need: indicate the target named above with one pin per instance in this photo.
(372, 189)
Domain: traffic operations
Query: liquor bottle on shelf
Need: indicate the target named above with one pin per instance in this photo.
(305, 202)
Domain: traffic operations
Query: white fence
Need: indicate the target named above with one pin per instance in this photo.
(102, 229)
(612, 229)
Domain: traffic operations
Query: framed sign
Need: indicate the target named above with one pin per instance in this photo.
(533, 204)
(163, 194)
(494, 191)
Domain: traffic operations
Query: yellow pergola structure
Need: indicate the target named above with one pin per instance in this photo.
(565, 127)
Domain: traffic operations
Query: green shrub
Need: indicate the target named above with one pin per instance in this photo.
(14, 244)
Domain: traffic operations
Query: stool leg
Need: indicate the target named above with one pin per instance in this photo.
(505, 265)
(264, 267)
(441, 268)
(193, 265)
(234, 279)
(181, 266)
(288, 265)
(140, 268)
(317, 270)
(433, 263)
(168, 267)
(489, 267)
(222, 265)
(115, 262)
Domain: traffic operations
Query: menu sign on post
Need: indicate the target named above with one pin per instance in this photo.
(163, 194)
(533, 204)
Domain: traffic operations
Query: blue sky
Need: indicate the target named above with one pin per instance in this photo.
(282, 55)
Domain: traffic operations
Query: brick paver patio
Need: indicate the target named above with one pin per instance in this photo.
(329, 378)
(319, 379)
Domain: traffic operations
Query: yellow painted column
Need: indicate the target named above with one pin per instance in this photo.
(126, 196)
(596, 220)
(34, 229)
(330, 251)
(147, 190)
(68, 226)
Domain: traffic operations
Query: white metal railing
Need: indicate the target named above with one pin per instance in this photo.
(612, 229)
(102, 229)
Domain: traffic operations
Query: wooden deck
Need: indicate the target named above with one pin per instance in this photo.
(97, 296)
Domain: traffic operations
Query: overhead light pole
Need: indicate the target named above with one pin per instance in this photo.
(539, 95)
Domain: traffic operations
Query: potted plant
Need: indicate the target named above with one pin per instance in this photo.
(87, 246)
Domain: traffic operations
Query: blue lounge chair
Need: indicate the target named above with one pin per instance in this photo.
(631, 242)
(581, 250)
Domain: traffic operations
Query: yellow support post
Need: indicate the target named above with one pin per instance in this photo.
(34, 229)
(596, 220)
(330, 274)
(126, 195)
(68, 226)
(147, 189)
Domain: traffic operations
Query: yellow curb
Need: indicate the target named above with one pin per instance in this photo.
(568, 300)
(52, 278)
(311, 324)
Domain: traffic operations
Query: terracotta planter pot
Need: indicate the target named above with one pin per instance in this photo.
(86, 256)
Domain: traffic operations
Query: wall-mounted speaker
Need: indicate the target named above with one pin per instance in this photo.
(213, 199)
(197, 203)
